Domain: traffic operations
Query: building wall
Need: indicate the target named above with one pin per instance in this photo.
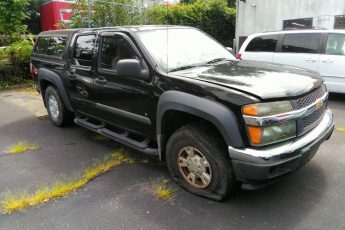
(254, 16)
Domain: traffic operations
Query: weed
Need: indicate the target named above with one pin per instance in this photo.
(340, 129)
(62, 188)
(163, 190)
(20, 147)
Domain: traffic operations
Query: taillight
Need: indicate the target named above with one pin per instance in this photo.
(33, 69)
(239, 56)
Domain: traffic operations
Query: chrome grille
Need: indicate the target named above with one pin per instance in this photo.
(304, 124)
(310, 98)
(312, 118)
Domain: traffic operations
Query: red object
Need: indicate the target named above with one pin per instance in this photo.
(239, 56)
(53, 12)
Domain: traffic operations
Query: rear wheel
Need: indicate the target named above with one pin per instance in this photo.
(197, 160)
(57, 111)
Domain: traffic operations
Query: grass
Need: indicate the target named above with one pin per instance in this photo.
(163, 191)
(20, 147)
(62, 188)
(340, 129)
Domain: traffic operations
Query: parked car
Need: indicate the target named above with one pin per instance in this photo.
(215, 120)
(317, 50)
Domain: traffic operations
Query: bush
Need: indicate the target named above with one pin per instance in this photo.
(211, 16)
(14, 63)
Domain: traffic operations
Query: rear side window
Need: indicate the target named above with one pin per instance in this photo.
(335, 44)
(42, 45)
(301, 43)
(265, 43)
(83, 50)
(57, 46)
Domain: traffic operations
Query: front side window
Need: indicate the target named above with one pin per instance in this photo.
(57, 46)
(266, 43)
(302, 43)
(114, 49)
(335, 44)
(42, 45)
(83, 50)
(176, 48)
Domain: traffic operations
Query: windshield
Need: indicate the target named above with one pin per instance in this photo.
(178, 48)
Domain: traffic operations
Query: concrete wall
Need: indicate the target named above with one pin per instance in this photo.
(268, 15)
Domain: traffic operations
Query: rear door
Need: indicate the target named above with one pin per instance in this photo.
(332, 63)
(261, 48)
(80, 73)
(300, 49)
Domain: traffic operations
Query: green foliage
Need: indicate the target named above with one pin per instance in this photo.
(12, 15)
(211, 16)
(14, 63)
(106, 13)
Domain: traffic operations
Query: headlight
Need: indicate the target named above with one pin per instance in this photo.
(264, 135)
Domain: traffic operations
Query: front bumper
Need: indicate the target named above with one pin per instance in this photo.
(264, 164)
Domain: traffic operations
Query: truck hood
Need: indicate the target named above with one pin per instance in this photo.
(261, 79)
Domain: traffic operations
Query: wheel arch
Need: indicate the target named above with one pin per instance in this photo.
(221, 117)
(48, 77)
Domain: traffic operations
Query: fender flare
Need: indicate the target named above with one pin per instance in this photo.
(54, 78)
(217, 114)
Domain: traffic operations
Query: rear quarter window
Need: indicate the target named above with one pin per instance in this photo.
(53, 46)
(42, 45)
(302, 43)
(266, 43)
(57, 46)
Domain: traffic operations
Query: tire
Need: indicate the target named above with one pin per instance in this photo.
(58, 113)
(203, 144)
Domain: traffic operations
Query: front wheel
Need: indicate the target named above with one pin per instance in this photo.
(197, 160)
(57, 111)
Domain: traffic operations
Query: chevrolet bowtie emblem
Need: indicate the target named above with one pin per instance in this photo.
(319, 105)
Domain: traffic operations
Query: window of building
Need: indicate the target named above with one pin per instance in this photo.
(114, 49)
(339, 22)
(265, 43)
(335, 44)
(83, 50)
(42, 45)
(57, 46)
(302, 23)
(302, 43)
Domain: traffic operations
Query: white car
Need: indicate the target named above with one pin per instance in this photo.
(318, 50)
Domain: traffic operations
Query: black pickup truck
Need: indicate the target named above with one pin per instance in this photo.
(175, 92)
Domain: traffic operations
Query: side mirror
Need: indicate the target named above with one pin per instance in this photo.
(230, 50)
(129, 68)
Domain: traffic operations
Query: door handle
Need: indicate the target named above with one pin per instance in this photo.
(101, 80)
(327, 60)
(71, 75)
(311, 59)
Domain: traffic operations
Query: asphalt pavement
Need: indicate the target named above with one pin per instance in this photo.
(312, 198)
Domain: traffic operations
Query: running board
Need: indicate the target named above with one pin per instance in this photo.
(123, 138)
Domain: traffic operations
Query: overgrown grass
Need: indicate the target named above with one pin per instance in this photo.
(21, 146)
(61, 188)
(163, 191)
(340, 129)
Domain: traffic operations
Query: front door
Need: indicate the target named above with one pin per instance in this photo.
(332, 63)
(123, 101)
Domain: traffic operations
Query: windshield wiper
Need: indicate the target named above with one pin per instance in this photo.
(182, 68)
(216, 60)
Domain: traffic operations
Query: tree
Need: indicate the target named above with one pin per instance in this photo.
(106, 13)
(211, 16)
(12, 15)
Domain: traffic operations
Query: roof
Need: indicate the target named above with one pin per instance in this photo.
(69, 32)
(66, 32)
(300, 31)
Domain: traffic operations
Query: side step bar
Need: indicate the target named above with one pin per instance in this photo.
(141, 146)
